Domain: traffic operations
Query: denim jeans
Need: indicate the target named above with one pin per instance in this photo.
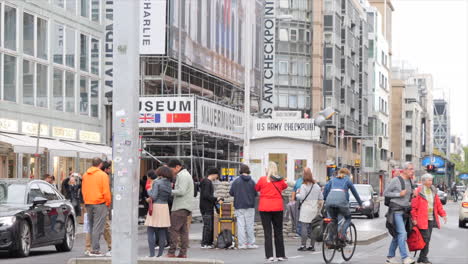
(400, 240)
(160, 234)
(245, 226)
(207, 235)
(334, 212)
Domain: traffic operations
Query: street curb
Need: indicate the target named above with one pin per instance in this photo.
(108, 260)
(373, 239)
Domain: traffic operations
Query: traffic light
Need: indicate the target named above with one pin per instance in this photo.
(430, 168)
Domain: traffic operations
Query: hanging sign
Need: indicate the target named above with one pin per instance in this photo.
(219, 119)
(166, 112)
(287, 128)
(269, 27)
(153, 27)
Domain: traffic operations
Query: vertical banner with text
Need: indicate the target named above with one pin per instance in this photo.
(153, 27)
(269, 27)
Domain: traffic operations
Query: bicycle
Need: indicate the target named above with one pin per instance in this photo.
(331, 242)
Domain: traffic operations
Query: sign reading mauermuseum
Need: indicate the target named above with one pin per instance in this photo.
(153, 27)
(218, 119)
(268, 57)
(287, 128)
(166, 112)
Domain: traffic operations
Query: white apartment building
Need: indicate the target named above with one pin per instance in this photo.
(51, 81)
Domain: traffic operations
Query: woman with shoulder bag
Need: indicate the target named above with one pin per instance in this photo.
(158, 219)
(271, 211)
(310, 199)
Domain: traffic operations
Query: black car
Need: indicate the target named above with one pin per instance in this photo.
(370, 201)
(34, 214)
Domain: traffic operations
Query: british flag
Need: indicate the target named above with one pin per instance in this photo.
(149, 118)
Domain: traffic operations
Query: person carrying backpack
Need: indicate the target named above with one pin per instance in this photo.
(398, 197)
(207, 204)
(425, 211)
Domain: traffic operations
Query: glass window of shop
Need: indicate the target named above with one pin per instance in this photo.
(94, 98)
(58, 90)
(57, 43)
(8, 165)
(28, 34)
(84, 94)
(70, 48)
(70, 92)
(299, 166)
(41, 35)
(10, 27)
(34, 167)
(281, 160)
(84, 53)
(41, 86)
(62, 168)
(28, 82)
(9, 78)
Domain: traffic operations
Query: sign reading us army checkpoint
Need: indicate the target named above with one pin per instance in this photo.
(166, 112)
(287, 128)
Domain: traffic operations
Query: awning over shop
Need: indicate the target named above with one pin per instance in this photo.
(20, 143)
(98, 149)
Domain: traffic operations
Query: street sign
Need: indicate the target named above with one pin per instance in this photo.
(433, 160)
(463, 176)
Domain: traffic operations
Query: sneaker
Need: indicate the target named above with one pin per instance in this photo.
(202, 247)
(282, 258)
(408, 260)
(109, 254)
(302, 248)
(242, 247)
(392, 260)
(169, 255)
(311, 249)
(270, 260)
(87, 252)
(425, 261)
(253, 246)
(96, 254)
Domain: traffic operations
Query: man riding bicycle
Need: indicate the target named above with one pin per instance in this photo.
(336, 198)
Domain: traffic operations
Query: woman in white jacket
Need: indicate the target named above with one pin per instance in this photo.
(310, 198)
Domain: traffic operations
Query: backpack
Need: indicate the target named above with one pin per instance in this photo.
(415, 240)
(403, 186)
(317, 226)
(224, 239)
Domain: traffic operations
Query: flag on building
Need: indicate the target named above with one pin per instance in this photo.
(149, 118)
(179, 118)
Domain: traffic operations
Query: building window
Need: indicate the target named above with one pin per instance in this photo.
(409, 143)
(294, 68)
(71, 6)
(9, 78)
(41, 35)
(293, 101)
(408, 158)
(41, 86)
(283, 67)
(57, 43)
(94, 56)
(95, 10)
(283, 34)
(28, 34)
(409, 129)
(84, 52)
(59, 3)
(58, 90)
(70, 49)
(70, 92)
(28, 82)
(94, 98)
(10, 28)
(283, 100)
(84, 93)
(307, 36)
(409, 114)
(293, 34)
(84, 8)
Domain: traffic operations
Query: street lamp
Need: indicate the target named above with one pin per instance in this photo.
(320, 119)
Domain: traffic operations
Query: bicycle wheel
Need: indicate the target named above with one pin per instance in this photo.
(328, 249)
(351, 240)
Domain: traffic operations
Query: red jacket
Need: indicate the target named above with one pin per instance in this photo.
(419, 209)
(271, 199)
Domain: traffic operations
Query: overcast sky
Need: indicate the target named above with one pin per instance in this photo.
(432, 36)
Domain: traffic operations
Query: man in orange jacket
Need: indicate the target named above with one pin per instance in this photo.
(97, 199)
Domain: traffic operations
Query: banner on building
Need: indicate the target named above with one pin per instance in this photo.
(153, 27)
(219, 119)
(269, 27)
(166, 112)
(109, 49)
(286, 128)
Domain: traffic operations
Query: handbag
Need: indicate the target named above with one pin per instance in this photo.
(300, 203)
(150, 207)
(415, 240)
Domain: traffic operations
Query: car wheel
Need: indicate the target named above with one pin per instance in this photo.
(23, 247)
(461, 223)
(377, 214)
(371, 215)
(69, 239)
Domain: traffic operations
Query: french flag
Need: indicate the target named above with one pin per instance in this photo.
(179, 118)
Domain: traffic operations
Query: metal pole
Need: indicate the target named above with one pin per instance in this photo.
(250, 13)
(336, 139)
(125, 124)
(179, 56)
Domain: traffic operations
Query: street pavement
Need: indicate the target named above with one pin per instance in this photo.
(448, 245)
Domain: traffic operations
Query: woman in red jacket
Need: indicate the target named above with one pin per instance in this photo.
(425, 211)
(271, 211)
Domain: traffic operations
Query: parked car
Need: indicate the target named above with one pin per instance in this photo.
(442, 196)
(463, 216)
(34, 214)
(370, 201)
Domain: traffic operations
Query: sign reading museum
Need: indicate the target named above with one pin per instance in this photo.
(219, 119)
(166, 112)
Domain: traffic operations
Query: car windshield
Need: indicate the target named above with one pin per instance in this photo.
(12, 193)
(362, 190)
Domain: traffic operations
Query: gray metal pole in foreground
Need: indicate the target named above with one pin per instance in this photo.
(247, 47)
(125, 124)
